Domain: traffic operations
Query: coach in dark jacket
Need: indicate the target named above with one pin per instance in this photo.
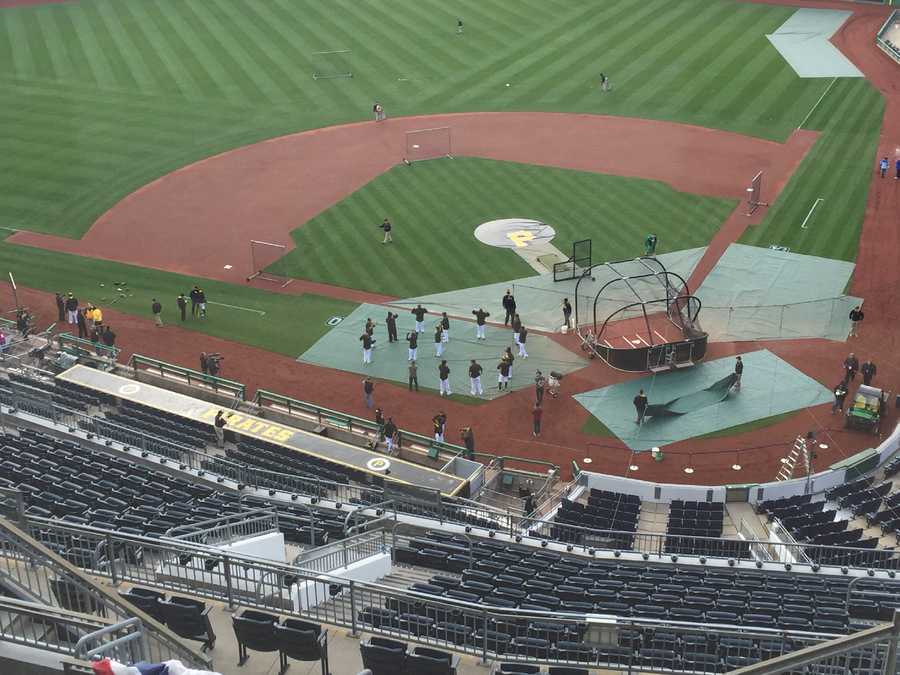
(509, 304)
(868, 371)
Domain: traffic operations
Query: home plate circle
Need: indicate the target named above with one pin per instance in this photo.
(415, 146)
(514, 233)
(379, 464)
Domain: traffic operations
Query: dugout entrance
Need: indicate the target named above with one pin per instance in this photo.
(643, 319)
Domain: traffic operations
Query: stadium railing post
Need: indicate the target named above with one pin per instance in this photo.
(226, 566)
(354, 632)
(484, 644)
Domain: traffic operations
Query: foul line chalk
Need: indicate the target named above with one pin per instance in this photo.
(813, 109)
(243, 309)
(809, 215)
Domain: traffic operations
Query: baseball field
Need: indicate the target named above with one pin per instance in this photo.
(148, 141)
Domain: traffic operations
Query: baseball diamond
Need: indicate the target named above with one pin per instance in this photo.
(270, 268)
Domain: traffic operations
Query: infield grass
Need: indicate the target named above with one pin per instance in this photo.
(434, 248)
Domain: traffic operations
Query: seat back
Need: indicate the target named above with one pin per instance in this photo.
(299, 640)
(255, 630)
(383, 659)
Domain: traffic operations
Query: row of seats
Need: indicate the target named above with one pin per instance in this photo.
(612, 516)
(389, 657)
(688, 519)
(186, 617)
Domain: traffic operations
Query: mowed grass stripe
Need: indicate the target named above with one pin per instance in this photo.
(116, 56)
(56, 47)
(94, 52)
(551, 77)
(39, 46)
(20, 42)
(128, 56)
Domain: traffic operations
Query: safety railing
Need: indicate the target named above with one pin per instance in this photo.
(477, 629)
(758, 549)
(229, 528)
(187, 375)
(62, 631)
(872, 651)
(46, 569)
(792, 552)
(81, 347)
(343, 553)
(346, 422)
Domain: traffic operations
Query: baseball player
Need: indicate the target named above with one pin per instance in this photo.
(480, 316)
(438, 341)
(475, 371)
(413, 338)
(444, 375)
(419, 313)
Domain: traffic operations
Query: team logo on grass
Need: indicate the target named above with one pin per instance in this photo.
(379, 464)
(514, 233)
(334, 321)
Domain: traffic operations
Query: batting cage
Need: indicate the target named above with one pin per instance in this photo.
(642, 318)
(332, 64)
(262, 255)
(423, 144)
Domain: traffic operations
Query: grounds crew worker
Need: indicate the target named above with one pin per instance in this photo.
(640, 404)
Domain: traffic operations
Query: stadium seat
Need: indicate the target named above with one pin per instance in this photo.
(189, 618)
(383, 656)
(301, 641)
(253, 630)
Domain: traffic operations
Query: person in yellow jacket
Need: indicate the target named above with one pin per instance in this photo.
(98, 316)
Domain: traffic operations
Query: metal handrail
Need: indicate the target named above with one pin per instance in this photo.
(36, 624)
(82, 651)
(267, 585)
(216, 383)
(89, 346)
(245, 522)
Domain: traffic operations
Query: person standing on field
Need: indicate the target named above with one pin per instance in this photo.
(856, 316)
(81, 320)
(840, 393)
(445, 327)
(640, 405)
(650, 244)
(72, 309)
(195, 301)
(516, 327)
(508, 355)
(181, 301)
(851, 365)
(444, 376)
(509, 304)
(366, 340)
(391, 322)
(475, 371)
(438, 341)
(868, 371)
(897, 164)
(459, 27)
(883, 166)
(567, 314)
(387, 227)
(60, 308)
(480, 316)
(523, 334)
(378, 111)
(413, 375)
(536, 414)
(539, 383)
(219, 426)
(503, 369)
(156, 308)
(412, 338)
(419, 312)
(738, 373)
(391, 435)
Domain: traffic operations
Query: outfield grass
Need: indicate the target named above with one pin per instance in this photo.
(434, 249)
(290, 325)
(838, 169)
(103, 96)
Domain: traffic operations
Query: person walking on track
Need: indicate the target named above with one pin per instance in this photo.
(856, 316)
(366, 340)
(391, 434)
(444, 376)
(391, 322)
(567, 314)
(368, 391)
(539, 383)
(883, 166)
(840, 393)
(640, 405)
(536, 414)
(509, 304)
(419, 312)
(386, 226)
(868, 371)
(475, 371)
(523, 334)
(738, 373)
(851, 365)
(480, 316)
(413, 375)
(412, 338)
